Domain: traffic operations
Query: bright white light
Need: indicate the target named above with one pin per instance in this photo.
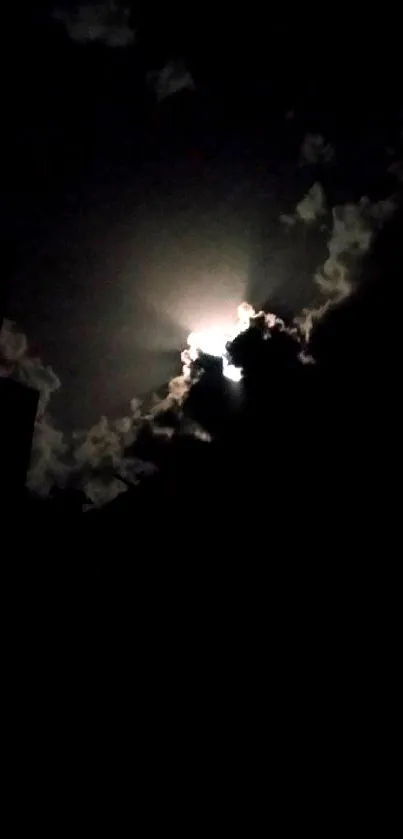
(245, 312)
(210, 341)
(214, 341)
(234, 374)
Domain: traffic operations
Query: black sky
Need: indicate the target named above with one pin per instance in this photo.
(116, 214)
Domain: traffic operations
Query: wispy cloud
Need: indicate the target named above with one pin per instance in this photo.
(315, 150)
(107, 23)
(313, 205)
(94, 460)
(16, 361)
(354, 228)
(309, 209)
(172, 78)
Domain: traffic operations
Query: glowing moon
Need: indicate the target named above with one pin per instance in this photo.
(214, 342)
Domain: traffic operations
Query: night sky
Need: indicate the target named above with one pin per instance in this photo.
(130, 219)
(233, 574)
(134, 223)
(113, 289)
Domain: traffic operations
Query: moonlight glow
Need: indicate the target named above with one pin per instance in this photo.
(214, 342)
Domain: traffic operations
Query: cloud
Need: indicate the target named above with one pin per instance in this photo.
(16, 362)
(47, 466)
(173, 78)
(94, 460)
(32, 372)
(309, 316)
(13, 345)
(353, 232)
(101, 445)
(315, 150)
(48, 445)
(101, 490)
(334, 279)
(354, 228)
(101, 467)
(287, 219)
(107, 23)
(312, 205)
(178, 389)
